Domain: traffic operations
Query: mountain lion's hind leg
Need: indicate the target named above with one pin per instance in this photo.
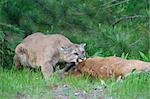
(17, 62)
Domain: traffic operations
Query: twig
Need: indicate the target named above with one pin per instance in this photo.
(6, 25)
(117, 4)
(126, 18)
(11, 27)
(42, 5)
(109, 2)
(110, 5)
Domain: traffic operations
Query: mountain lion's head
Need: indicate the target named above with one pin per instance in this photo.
(74, 53)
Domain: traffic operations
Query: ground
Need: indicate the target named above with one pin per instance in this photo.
(27, 84)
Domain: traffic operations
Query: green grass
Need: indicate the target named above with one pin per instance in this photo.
(81, 21)
(32, 85)
(20, 82)
(135, 86)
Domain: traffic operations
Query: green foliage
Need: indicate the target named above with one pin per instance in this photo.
(8, 41)
(144, 57)
(125, 56)
(135, 86)
(109, 27)
(113, 26)
(32, 85)
(29, 84)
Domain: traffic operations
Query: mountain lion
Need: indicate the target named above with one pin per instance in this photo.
(39, 50)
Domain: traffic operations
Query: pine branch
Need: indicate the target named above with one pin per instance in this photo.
(116, 4)
(113, 1)
(11, 27)
(6, 25)
(126, 18)
(109, 2)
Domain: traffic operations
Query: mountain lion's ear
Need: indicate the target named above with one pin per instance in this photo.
(83, 45)
(65, 49)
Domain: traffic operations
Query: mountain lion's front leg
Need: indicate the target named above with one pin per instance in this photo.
(68, 68)
(47, 69)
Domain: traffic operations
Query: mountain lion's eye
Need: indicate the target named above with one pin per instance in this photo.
(76, 53)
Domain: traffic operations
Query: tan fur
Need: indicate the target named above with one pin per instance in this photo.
(110, 66)
(39, 50)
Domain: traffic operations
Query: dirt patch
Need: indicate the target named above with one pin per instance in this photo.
(21, 96)
(66, 92)
(63, 92)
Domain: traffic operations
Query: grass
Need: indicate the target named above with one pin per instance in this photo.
(127, 39)
(135, 86)
(31, 84)
(20, 82)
